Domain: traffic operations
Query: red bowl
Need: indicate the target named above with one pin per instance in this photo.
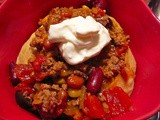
(19, 19)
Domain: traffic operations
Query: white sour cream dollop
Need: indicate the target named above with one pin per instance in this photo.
(80, 38)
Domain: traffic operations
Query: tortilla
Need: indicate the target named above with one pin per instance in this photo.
(27, 52)
(126, 85)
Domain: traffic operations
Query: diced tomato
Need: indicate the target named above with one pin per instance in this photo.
(98, 11)
(47, 45)
(87, 118)
(117, 100)
(127, 72)
(121, 49)
(23, 72)
(38, 62)
(24, 87)
(78, 116)
(123, 97)
(93, 107)
(62, 97)
(101, 12)
(39, 76)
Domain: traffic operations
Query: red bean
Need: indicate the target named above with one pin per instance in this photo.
(87, 2)
(100, 3)
(95, 80)
(13, 77)
(96, 3)
(24, 102)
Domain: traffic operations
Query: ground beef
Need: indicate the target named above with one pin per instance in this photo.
(41, 34)
(110, 64)
(113, 66)
(57, 15)
(48, 98)
(53, 67)
(80, 73)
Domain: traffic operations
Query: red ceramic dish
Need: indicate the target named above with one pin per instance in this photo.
(19, 19)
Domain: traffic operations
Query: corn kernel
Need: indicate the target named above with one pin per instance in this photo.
(65, 73)
(85, 7)
(60, 81)
(74, 93)
(94, 10)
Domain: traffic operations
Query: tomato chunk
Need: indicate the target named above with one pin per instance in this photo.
(23, 73)
(93, 107)
(38, 62)
(24, 87)
(117, 100)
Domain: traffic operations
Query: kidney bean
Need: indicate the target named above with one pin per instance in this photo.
(95, 80)
(63, 117)
(24, 102)
(100, 3)
(87, 2)
(13, 77)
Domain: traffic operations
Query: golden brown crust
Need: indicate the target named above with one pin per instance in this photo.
(128, 84)
(26, 52)
(130, 68)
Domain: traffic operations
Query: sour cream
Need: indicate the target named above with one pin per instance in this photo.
(80, 38)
